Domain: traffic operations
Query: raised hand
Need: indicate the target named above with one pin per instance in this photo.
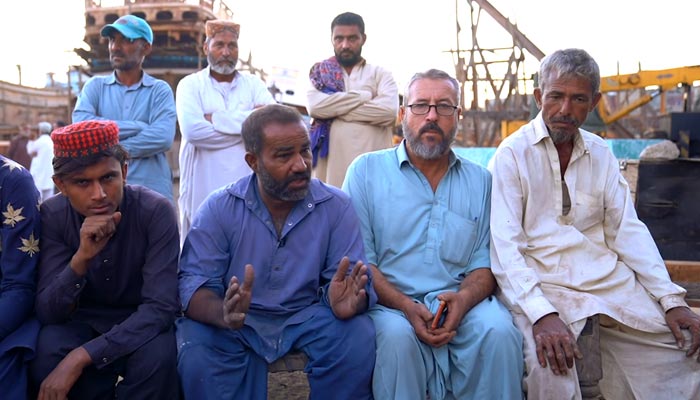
(346, 292)
(95, 232)
(237, 299)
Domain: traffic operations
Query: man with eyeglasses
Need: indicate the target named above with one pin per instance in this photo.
(424, 214)
(353, 103)
(142, 106)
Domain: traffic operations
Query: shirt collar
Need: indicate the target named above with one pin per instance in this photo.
(540, 133)
(247, 189)
(146, 80)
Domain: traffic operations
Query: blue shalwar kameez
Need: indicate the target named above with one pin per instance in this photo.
(289, 307)
(425, 243)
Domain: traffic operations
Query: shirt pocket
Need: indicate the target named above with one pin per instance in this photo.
(458, 239)
(589, 211)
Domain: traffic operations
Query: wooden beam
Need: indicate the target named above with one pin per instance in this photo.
(683, 271)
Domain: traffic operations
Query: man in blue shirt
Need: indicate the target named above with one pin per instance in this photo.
(107, 292)
(142, 106)
(424, 213)
(19, 248)
(265, 269)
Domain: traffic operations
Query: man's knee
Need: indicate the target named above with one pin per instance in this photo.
(395, 335)
(158, 356)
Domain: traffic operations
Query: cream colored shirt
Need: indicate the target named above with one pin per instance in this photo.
(364, 118)
(599, 258)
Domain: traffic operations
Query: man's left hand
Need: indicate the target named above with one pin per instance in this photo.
(679, 318)
(346, 292)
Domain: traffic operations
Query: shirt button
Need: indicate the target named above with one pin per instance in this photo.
(309, 205)
(107, 279)
(104, 359)
(105, 260)
(77, 286)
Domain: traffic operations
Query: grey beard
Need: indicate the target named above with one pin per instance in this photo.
(223, 69)
(559, 137)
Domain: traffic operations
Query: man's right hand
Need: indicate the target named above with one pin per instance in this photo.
(420, 318)
(95, 232)
(60, 381)
(237, 299)
(555, 344)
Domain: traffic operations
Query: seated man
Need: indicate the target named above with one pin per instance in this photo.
(424, 213)
(265, 270)
(107, 295)
(567, 244)
(19, 245)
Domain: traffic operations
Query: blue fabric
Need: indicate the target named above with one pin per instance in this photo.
(19, 238)
(425, 243)
(145, 114)
(19, 252)
(218, 363)
(149, 372)
(129, 294)
(233, 228)
(408, 230)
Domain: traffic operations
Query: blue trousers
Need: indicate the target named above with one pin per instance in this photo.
(150, 372)
(222, 364)
(483, 361)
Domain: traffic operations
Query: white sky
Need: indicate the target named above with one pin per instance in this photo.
(404, 36)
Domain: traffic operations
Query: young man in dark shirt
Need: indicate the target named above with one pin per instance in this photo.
(107, 291)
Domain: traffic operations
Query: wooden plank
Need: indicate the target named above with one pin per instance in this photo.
(683, 271)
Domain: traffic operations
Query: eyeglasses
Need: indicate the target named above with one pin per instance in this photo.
(442, 109)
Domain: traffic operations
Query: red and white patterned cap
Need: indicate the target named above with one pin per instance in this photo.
(84, 138)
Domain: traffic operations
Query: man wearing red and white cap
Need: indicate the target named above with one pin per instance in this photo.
(142, 106)
(107, 293)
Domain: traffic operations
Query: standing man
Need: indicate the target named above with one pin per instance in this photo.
(424, 213)
(266, 269)
(354, 104)
(19, 247)
(211, 106)
(142, 106)
(41, 150)
(107, 294)
(567, 244)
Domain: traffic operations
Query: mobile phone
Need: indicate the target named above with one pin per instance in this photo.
(439, 318)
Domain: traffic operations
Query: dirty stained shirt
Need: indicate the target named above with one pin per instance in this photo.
(597, 258)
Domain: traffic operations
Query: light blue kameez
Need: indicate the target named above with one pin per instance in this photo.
(424, 243)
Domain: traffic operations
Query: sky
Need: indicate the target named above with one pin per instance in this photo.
(403, 36)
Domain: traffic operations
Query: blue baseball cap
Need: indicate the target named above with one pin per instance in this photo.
(131, 27)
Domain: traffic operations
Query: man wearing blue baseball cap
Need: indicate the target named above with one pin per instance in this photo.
(142, 106)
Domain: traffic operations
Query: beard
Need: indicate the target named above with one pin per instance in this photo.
(428, 151)
(280, 189)
(123, 65)
(560, 136)
(348, 58)
(223, 68)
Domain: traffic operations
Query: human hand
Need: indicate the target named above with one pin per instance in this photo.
(679, 318)
(237, 299)
(95, 232)
(555, 344)
(346, 292)
(60, 381)
(421, 319)
(207, 117)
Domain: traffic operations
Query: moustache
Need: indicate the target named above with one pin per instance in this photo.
(566, 120)
(431, 126)
(298, 176)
